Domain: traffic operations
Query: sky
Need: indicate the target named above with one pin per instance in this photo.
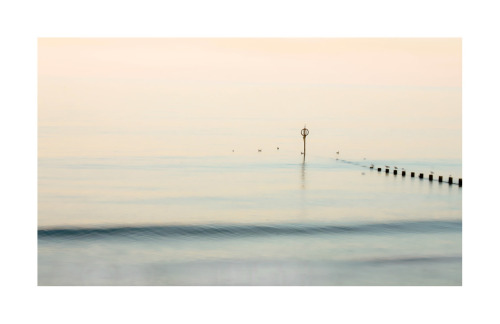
(380, 97)
(346, 61)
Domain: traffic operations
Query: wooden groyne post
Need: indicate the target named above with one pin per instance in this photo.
(412, 173)
(420, 175)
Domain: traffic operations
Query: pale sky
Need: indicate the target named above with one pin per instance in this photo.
(349, 61)
(377, 97)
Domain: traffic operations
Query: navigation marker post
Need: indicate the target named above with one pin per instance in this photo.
(304, 133)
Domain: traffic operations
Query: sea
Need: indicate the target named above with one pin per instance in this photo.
(265, 216)
(154, 182)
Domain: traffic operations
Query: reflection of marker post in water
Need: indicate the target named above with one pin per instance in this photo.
(304, 133)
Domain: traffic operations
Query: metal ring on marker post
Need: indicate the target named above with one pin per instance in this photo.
(304, 132)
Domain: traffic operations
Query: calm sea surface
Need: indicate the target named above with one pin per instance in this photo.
(138, 183)
(248, 218)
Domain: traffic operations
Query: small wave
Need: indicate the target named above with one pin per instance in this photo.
(217, 230)
(420, 259)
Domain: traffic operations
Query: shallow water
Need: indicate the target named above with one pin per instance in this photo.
(247, 219)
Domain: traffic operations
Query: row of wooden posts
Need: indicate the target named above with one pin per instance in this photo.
(421, 176)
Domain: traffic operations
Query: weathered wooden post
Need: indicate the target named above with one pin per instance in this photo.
(459, 182)
(440, 179)
(421, 176)
(403, 173)
(413, 174)
(430, 177)
(450, 180)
